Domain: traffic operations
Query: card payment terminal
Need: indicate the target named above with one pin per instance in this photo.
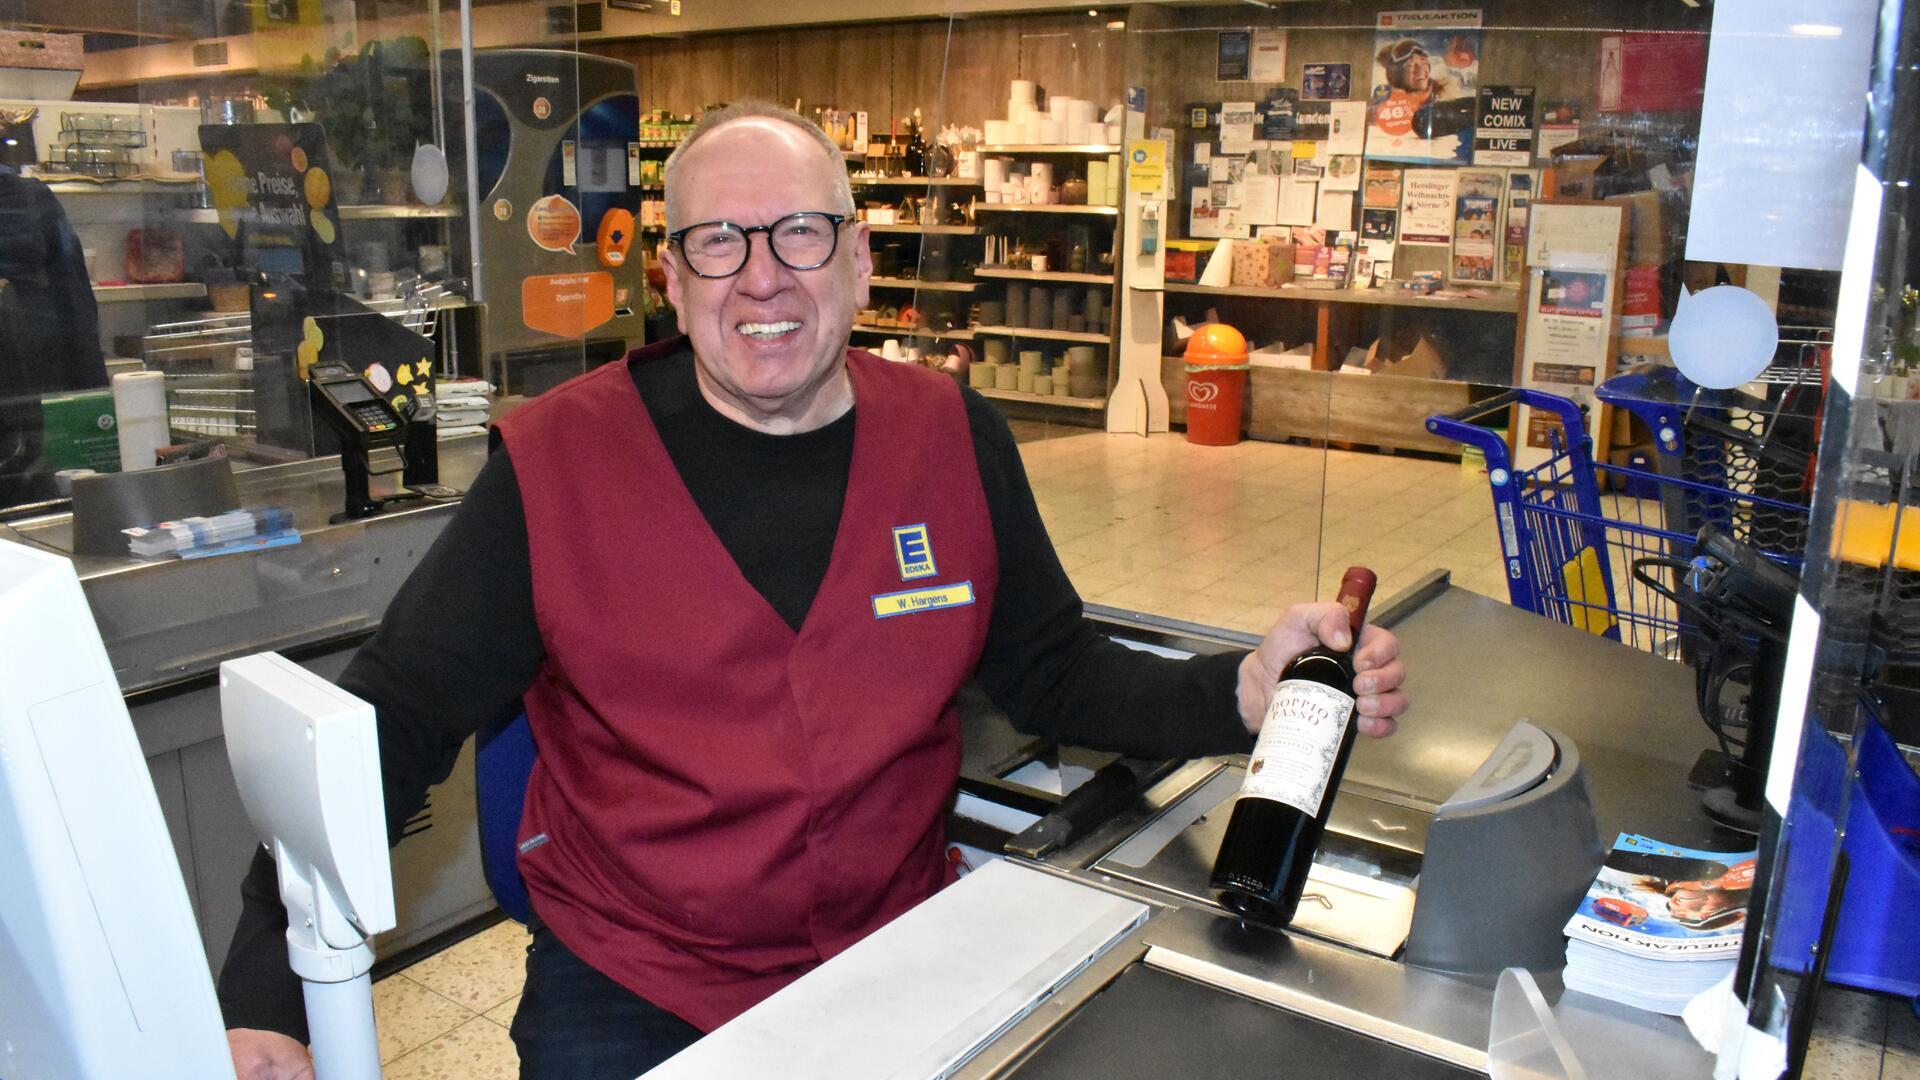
(364, 421)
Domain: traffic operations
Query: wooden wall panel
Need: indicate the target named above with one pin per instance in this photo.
(955, 71)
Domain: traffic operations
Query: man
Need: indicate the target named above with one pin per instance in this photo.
(49, 328)
(744, 574)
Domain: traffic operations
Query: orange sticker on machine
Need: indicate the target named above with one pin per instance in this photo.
(567, 305)
(554, 223)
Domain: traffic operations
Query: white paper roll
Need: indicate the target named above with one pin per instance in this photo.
(1084, 111)
(999, 132)
(995, 176)
(1051, 131)
(1113, 134)
(1058, 108)
(140, 415)
(1014, 190)
(1030, 129)
(1040, 183)
(1077, 131)
(1021, 90)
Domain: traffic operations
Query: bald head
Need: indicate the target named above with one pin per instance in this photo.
(751, 128)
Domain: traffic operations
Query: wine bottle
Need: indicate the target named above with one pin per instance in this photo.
(916, 155)
(1296, 765)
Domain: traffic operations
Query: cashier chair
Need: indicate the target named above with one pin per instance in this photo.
(503, 757)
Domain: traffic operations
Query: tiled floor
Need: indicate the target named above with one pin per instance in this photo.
(1863, 1037)
(446, 1017)
(1223, 536)
(1230, 536)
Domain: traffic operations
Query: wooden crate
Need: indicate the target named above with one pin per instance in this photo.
(1377, 410)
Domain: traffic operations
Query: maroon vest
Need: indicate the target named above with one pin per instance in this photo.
(725, 802)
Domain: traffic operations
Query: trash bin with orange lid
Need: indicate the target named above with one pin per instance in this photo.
(1216, 384)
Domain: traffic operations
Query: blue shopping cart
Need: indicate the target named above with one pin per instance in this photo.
(1733, 444)
(1570, 551)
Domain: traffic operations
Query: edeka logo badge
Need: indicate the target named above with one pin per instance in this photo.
(931, 598)
(913, 550)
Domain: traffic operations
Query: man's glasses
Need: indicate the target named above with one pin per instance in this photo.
(718, 249)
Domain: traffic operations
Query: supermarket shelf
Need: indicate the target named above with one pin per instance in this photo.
(374, 210)
(912, 181)
(366, 212)
(1503, 301)
(929, 286)
(134, 186)
(1043, 275)
(932, 230)
(1094, 404)
(1088, 149)
(897, 331)
(657, 144)
(178, 290)
(1043, 335)
(1045, 208)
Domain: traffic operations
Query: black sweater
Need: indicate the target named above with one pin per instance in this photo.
(459, 644)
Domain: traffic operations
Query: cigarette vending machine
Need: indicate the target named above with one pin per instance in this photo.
(558, 203)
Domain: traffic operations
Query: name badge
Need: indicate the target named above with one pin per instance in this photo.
(933, 598)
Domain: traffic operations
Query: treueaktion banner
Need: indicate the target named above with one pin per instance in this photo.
(1426, 68)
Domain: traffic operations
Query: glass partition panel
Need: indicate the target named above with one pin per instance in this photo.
(223, 199)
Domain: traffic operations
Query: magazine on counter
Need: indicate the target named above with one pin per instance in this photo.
(1667, 902)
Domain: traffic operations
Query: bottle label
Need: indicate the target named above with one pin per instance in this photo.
(1299, 740)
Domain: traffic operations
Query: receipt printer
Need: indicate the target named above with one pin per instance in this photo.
(1509, 855)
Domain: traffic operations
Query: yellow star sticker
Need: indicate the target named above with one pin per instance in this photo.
(423, 369)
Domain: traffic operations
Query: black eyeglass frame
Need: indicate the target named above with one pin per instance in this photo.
(678, 238)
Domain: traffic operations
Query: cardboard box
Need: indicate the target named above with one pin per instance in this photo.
(1186, 258)
(1424, 362)
(1649, 242)
(1571, 176)
(1262, 264)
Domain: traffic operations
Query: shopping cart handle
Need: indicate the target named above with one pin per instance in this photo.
(1460, 425)
(1480, 410)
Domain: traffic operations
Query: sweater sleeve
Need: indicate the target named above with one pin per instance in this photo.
(1052, 671)
(456, 648)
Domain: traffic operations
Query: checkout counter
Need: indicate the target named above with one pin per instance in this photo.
(168, 624)
(1190, 991)
(1194, 992)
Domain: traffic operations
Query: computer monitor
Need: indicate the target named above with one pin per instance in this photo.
(102, 973)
